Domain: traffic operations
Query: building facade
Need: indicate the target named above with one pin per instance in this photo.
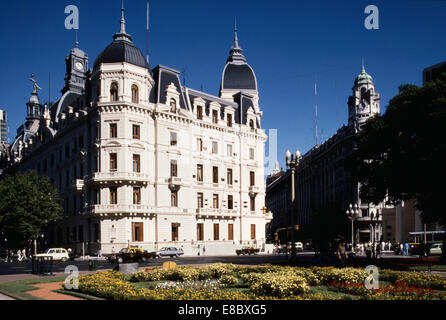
(322, 179)
(141, 160)
(3, 127)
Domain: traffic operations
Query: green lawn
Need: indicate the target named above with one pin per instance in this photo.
(20, 287)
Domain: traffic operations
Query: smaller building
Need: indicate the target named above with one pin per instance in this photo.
(433, 72)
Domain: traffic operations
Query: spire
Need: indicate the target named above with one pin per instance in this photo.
(122, 35)
(76, 44)
(236, 53)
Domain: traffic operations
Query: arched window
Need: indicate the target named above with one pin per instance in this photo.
(173, 105)
(135, 94)
(114, 92)
(251, 124)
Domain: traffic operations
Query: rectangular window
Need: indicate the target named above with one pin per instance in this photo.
(230, 231)
(200, 232)
(199, 200)
(97, 199)
(173, 139)
(174, 199)
(229, 177)
(229, 150)
(252, 179)
(137, 232)
(199, 112)
(214, 116)
(137, 195)
(199, 144)
(216, 231)
(230, 202)
(229, 120)
(215, 175)
(113, 130)
(251, 154)
(215, 201)
(252, 203)
(215, 147)
(253, 232)
(173, 168)
(113, 195)
(113, 162)
(175, 227)
(199, 172)
(136, 132)
(136, 163)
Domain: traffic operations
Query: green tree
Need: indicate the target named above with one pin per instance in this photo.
(401, 153)
(29, 203)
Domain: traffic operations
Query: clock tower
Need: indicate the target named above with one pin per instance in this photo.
(77, 68)
(365, 101)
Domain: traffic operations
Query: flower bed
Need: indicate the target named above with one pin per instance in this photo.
(229, 282)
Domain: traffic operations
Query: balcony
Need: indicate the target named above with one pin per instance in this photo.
(119, 209)
(175, 183)
(78, 185)
(253, 190)
(118, 178)
(211, 213)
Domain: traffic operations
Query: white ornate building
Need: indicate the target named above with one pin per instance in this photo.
(140, 159)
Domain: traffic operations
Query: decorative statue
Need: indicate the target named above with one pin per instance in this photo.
(36, 87)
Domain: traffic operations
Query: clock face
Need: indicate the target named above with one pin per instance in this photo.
(79, 66)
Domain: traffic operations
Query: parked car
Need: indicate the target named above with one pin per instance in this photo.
(169, 252)
(131, 254)
(58, 254)
(247, 250)
(435, 249)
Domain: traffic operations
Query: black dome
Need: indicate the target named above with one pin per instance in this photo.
(121, 51)
(239, 76)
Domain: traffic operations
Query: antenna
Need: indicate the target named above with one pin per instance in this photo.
(315, 109)
(147, 31)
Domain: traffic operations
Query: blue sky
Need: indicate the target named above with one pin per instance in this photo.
(286, 42)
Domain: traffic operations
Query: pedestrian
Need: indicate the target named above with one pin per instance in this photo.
(402, 249)
(406, 249)
(100, 253)
(24, 257)
(19, 255)
(7, 256)
(204, 250)
(342, 254)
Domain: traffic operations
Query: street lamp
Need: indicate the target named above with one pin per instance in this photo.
(352, 214)
(292, 161)
(374, 220)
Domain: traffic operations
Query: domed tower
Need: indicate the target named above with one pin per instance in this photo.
(120, 70)
(34, 108)
(365, 101)
(238, 75)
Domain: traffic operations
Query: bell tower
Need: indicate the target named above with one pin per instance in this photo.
(365, 101)
(77, 68)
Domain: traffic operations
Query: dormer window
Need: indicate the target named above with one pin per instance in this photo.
(199, 112)
(173, 105)
(251, 124)
(135, 94)
(215, 116)
(114, 92)
(229, 120)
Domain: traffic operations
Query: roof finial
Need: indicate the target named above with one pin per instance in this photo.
(77, 40)
(363, 68)
(122, 18)
(236, 36)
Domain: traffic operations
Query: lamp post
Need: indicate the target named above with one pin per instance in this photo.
(374, 220)
(292, 161)
(352, 214)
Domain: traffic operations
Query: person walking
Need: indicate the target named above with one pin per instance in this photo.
(342, 254)
(204, 250)
(406, 249)
(6, 255)
(19, 255)
(24, 257)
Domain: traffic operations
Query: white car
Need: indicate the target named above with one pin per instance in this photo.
(435, 249)
(299, 246)
(58, 254)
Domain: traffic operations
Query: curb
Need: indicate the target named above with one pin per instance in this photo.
(11, 295)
